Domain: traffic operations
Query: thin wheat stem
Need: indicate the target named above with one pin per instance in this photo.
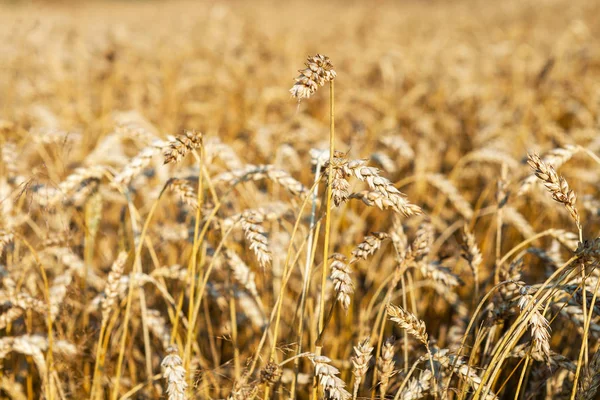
(310, 254)
(586, 330)
(142, 296)
(519, 326)
(49, 356)
(192, 269)
(115, 392)
(522, 377)
(324, 270)
(279, 301)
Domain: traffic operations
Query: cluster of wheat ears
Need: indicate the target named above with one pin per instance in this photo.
(176, 222)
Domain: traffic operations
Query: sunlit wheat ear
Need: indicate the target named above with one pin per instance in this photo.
(555, 158)
(318, 71)
(435, 271)
(540, 328)
(421, 246)
(471, 253)
(215, 148)
(448, 188)
(58, 291)
(360, 363)
(287, 181)
(12, 388)
(178, 148)
(241, 272)
(137, 164)
(513, 217)
(174, 374)
(385, 366)
(159, 327)
(111, 291)
(368, 246)
(19, 303)
(556, 185)
(406, 320)
(398, 236)
(255, 234)
(333, 386)
(184, 191)
(390, 197)
(257, 172)
(340, 188)
(35, 346)
(76, 187)
(9, 154)
(463, 370)
(382, 193)
(342, 282)
(417, 387)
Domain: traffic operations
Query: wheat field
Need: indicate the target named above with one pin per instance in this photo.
(300, 200)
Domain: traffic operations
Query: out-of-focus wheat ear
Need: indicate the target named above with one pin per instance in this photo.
(6, 237)
(421, 245)
(318, 71)
(284, 179)
(14, 389)
(471, 253)
(360, 363)
(159, 327)
(368, 246)
(445, 186)
(241, 272)
(255, 234)
(407, 320)
(35, 346)
(342, 282)
(184, 191)
(417, 387)
(556, 185)
(512, 216)
(174, 374)
(256, 172)
(78, 186)
(58, 291)
(540, 328)
(243, 390)
(385, 366)
(9, 156)
(398, 236)
(178, 148)
(435, 271)
(111, 291)
(568, 239)
(137, 164)
(19, 302)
